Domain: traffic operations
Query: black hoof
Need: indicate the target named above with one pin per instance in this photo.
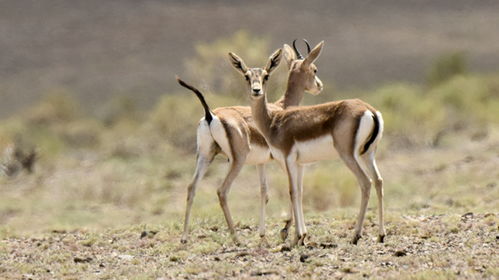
(284, 234)
(183, 241)
(381, 238)
(355, 239)
(301, 241)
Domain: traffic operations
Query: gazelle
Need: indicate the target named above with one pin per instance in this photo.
(300, 135)
(232, 131)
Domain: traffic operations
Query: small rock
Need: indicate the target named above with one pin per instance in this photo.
(387, 263)
(82, 260)
(328, 245)
(347, 270)
(263, 273)
(214, 228)
(468, 215)
(217, 259)
(150, 233)
(285, 248)
(400, 253)
(242, 254)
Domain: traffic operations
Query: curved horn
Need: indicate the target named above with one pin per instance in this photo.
(308, 46)
(298, 54)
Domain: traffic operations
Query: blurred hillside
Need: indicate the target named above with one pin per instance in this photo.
(98, 49)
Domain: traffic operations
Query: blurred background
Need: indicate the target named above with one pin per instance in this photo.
(94, 130)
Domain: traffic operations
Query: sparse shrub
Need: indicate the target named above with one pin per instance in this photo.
(121, 109)
(81, 133)
(176, 117)
(409, 114)
(468, 100)
(55, 107)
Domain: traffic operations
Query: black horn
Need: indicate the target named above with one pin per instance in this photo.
(298, 54)
(308, 46)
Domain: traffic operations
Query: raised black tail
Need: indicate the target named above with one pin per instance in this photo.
(207, 113)
(374, 134)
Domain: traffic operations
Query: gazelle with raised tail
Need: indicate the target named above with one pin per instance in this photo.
(305, 134)
(232, 131)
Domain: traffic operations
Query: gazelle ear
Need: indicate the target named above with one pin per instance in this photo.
(289, 54)
(313, 55)
(274, 60)
(238, 63)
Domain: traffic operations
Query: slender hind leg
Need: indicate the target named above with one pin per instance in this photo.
(365, 187)
(288, 222)
(289, 219)
(370, 162)
(201, 167)
(234, 170)
(301, 170)
(264, 199)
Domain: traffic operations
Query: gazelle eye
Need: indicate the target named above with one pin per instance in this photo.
(315, 71)
(266, 77)
(246, 77)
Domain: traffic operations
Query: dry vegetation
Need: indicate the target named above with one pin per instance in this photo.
(106, 192)
(107, 196)
(442, 223)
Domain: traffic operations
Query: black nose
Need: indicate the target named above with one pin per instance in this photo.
(256, 90)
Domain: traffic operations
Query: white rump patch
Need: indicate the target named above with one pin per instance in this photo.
(220, 135)
(204, 138)
(366, 126)
(381, 126)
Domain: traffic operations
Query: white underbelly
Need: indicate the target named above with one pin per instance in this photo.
(258, 155)
(317, 149)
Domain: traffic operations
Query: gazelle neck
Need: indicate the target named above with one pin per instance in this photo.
(293, 95)
(261, 115)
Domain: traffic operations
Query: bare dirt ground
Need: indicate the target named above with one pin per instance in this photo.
(442, 222)
(417, 247)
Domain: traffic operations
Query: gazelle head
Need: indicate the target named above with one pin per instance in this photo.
(303, 70)
(256, 78)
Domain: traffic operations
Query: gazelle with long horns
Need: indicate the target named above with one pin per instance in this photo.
(300, 135)
(232, 131)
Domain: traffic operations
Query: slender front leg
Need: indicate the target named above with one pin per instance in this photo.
(234, 170)
(201, 167)
(292, 170)
(264, 198)
(301, 171)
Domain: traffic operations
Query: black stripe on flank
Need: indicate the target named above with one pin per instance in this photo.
(374, 134)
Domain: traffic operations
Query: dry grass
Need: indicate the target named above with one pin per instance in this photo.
(82, 217)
